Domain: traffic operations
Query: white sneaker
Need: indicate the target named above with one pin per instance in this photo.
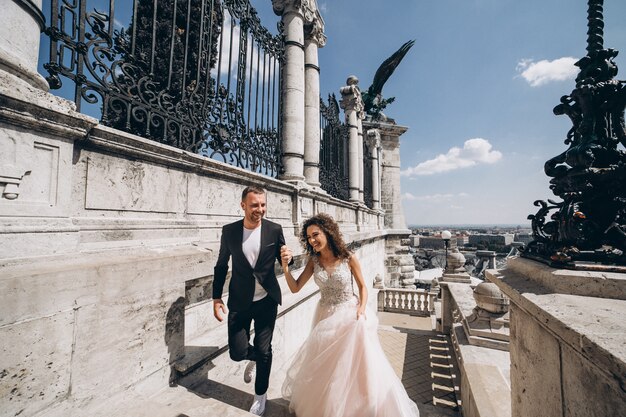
(249, 372)
(258, 405)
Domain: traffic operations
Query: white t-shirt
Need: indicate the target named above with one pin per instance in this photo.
(251, 246)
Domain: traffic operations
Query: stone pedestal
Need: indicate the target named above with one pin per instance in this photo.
(398, 261)
(567, 339)
(455, 267)
(391, 196)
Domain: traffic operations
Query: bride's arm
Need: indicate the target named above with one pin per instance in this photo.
(355, 267)
(296, 285)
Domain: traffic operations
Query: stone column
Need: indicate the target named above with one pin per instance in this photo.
(359, 117)
(373, 136)
(19, 40)
(292, 89)
(352, 104)
(314, 39)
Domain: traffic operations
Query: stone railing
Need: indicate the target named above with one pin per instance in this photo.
(399, 300)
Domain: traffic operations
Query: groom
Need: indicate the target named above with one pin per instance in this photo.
(254, 244)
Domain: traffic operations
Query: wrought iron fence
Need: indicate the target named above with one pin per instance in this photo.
(200, 75)
(333, 150)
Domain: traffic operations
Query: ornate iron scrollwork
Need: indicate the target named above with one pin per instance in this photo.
(589, 225)
(182, 73)
(333, 150)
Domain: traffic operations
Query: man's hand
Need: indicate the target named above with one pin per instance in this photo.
(285, 256)
(218, 305)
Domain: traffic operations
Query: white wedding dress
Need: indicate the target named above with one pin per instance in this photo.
(341, 369)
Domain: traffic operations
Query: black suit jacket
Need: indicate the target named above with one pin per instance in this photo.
(242, 282)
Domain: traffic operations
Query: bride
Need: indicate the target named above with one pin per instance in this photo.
(341, 369)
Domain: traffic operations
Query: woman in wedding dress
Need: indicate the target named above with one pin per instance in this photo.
(341, 369)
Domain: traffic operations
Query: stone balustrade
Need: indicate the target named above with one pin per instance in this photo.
(399, 300)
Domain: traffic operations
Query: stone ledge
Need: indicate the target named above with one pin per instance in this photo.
(594, 327)
(485, 382)
(566, 281)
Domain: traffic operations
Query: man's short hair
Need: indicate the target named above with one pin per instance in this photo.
(251, 189)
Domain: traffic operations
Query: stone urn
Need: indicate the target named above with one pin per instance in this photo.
(456, 261)
(489, 297)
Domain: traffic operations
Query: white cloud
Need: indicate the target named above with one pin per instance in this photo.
(544, 71)
(475, 151)
(435, 198)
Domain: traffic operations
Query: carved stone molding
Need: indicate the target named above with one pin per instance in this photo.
(351, 99)
(284, 6)
(12, 169)
(373, 140)
(315, 32)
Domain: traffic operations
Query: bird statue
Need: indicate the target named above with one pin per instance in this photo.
(372, 98)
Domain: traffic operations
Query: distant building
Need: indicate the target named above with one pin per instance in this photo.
(431, 242)
(462, 240)
(491, 239)
(524, 237)
(435, 242)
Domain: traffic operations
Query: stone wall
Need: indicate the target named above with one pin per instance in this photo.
(567, 339)
(107, 251)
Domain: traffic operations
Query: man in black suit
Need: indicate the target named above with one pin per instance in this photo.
(254, 244)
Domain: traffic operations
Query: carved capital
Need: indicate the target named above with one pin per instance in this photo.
(351, 99)
(315, 32)
(313, 22)
(283, 6)
(373, 140)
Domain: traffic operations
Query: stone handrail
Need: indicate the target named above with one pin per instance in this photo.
(417, 302)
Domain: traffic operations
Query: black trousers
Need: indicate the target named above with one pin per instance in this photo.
(263, 312)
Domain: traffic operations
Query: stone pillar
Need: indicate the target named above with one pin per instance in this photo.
(19, 40)
(391, 197)
(373, 137)
(399, 263)
(352, 104)
(314, 39)
(359, 117)
(292, 89)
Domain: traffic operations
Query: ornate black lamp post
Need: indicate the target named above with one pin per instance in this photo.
(446, 235)
(589, 225)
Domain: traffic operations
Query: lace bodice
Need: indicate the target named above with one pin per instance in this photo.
(335, 288)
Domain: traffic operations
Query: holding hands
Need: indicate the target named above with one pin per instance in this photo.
(285, 256)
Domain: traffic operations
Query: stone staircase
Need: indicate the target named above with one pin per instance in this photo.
(215, 387)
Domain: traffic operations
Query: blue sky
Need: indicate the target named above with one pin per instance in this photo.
(463, 92)
(476, 92)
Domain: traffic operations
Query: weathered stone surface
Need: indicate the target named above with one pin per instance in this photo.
(115, 184)
(584, 380)
(565, 281)
(212, 197)
(560, 342)
(36, 363)
(535, 368)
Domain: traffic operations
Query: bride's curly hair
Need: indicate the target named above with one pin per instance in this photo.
(331, 229)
